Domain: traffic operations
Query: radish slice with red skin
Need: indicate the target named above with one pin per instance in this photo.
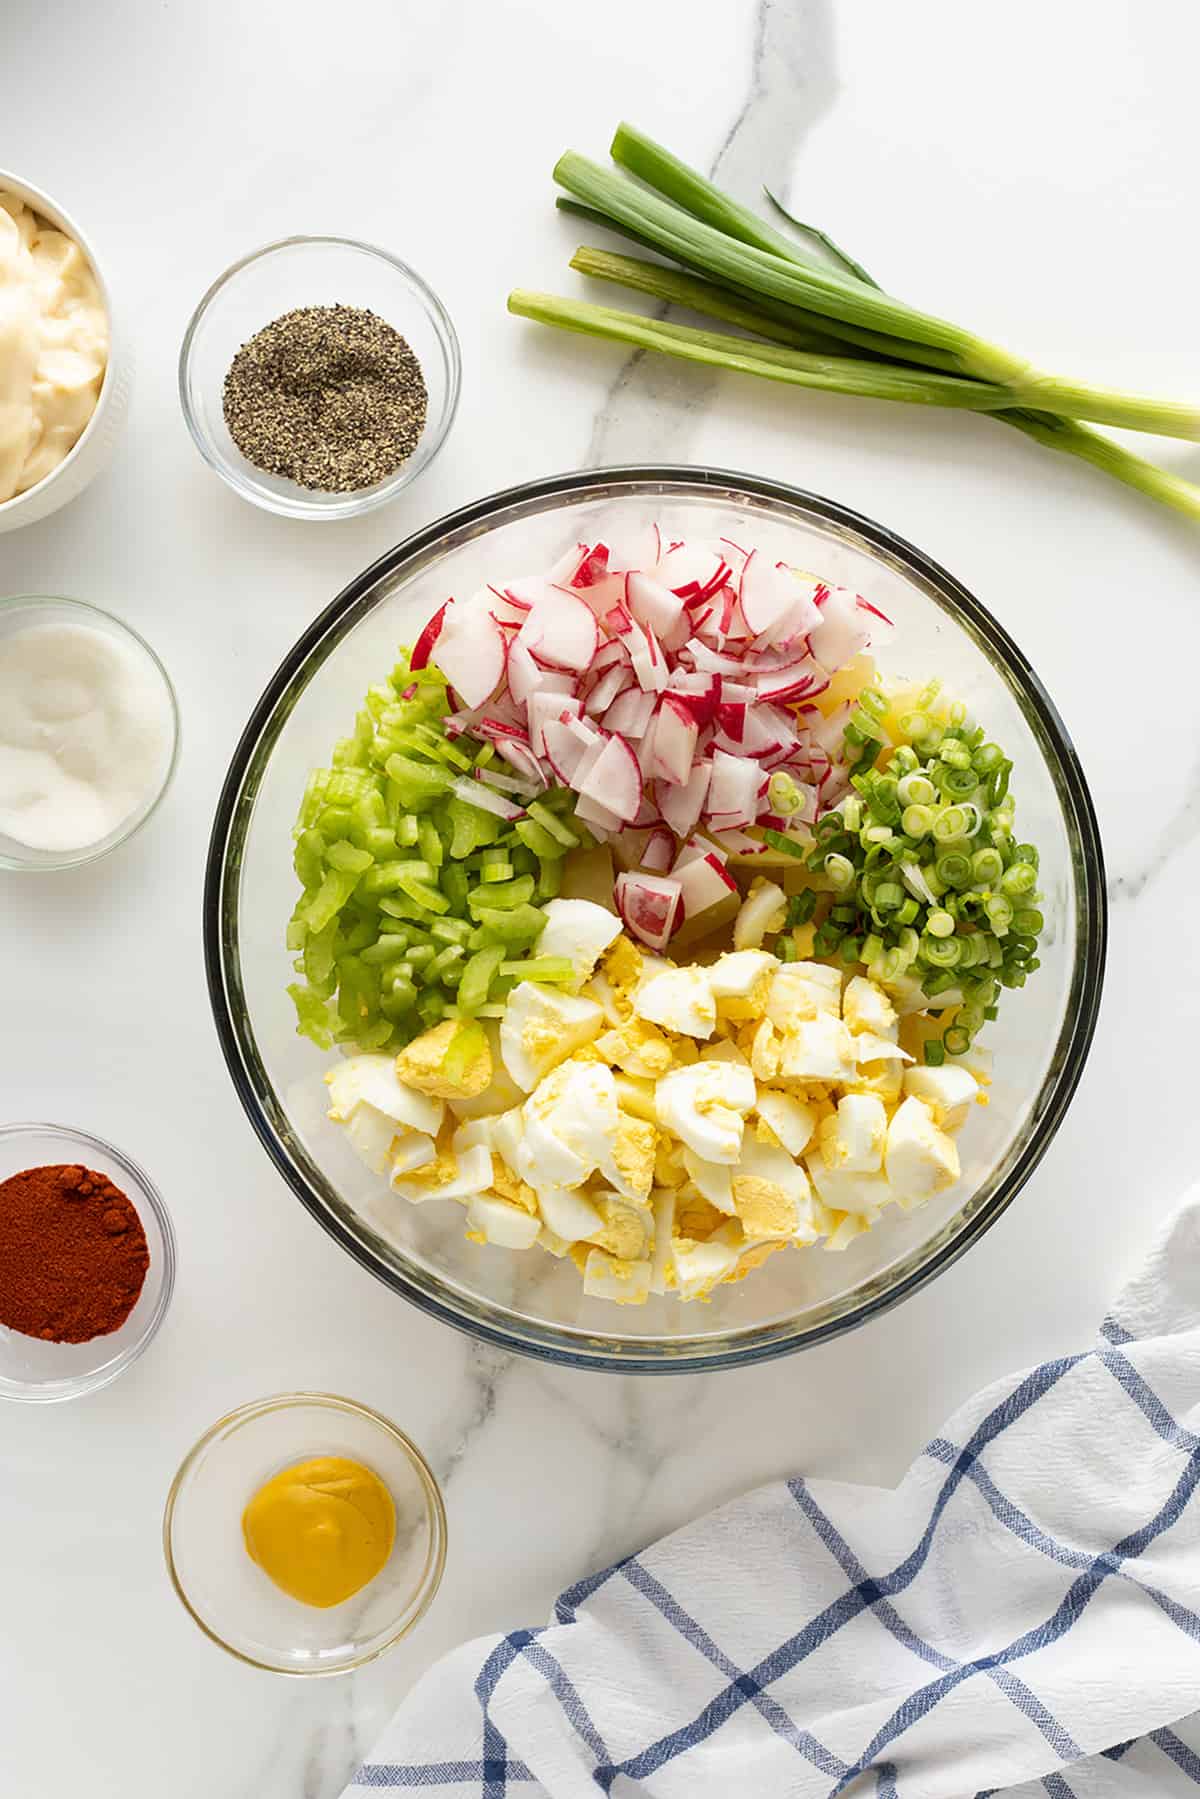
(659, 851)
(675, 734)
(704, 883)
(698, 847)
(524, 676)
(804, 615)
(650, 906)
(561, 630)
(593, 566)
(472, 660)
(562, 749)
(423, 647)
(615, 680)
(597, 817)
(681, 806)
(637, 546)
(630, 713)
(522, 758)
(766, 593)
(693, 570)
(736, 843)
(718, 662)
(648, 815)
(656, 607)
(587, 763)
(649, 660)
(602, 595)
(614, 780)
(732, 791)
(545, 707)
(611, 652)
(584, 731)
(476, 793)
(843, 632)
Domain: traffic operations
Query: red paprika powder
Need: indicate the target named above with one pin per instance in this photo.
(73, 1254)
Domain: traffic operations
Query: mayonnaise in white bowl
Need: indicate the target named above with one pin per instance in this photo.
(88, 732)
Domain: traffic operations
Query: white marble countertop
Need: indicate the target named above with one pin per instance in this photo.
(1018, 172)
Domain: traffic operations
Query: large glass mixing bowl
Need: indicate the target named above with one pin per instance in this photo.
(530, 1302)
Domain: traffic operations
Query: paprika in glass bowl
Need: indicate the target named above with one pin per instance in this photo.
(72, 1259)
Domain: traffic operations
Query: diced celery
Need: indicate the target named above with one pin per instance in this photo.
(407, 830)
(297, 931)
(504, 896)
(400, 906)
(380, 841)
(312, 1016)
(455, 886)
(446, 959)
(537, 838)
(361, 932)
(540, 811)
(335, 821)
(465, 1047)
(376, 1036)
(421, 954)
(329, 899)
(314, 797)
(420, 783)
(343, 855)
(450, 930)
(386, 948)
(477, 977)
(558, 971)
(430, 842)
(549, 878)
(308, 858)
(523, 859)
(431, 1005)
(424, 894)
(496, 871)
(318, 960)
(522, 925)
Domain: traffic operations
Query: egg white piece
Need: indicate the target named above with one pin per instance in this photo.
(949, 1092)
(662, 1261)
(705, 1106)
(865, 1194)
(372, 1079)
(474, 1131)
(699, 1266)
(578, 930)
(853, 1139)
(867, 1047)
(712, 1180)
(866, 1007)
(736, 974)
(370, 1134)
(772, 1195)
(723, 1050)
(801, 991)
(791, 1119)
(541, 1028)
(412, 1150)
(920, 1159)
(761, 911)
(472, 1174)
(817, 1049)
(679, 999)
(628, 1283)
(505, 1225)
(569, 1214)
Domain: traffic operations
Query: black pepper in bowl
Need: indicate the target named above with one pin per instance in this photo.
(331, 397)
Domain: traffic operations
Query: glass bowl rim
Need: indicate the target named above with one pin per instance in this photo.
(351, 506)
(435, 1565)
(555, 1344)
(54, 863)
(53, 1393)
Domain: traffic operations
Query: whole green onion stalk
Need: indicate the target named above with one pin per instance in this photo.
(823, 327)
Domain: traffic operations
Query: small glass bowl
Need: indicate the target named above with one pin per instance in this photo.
(233, 1601)
(313, 271)
(23, 610)
(46, 1372)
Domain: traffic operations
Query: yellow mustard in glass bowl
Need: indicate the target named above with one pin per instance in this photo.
(321, 1529)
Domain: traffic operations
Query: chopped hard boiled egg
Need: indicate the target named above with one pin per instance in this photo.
(541, 1028)
(606, 1277)
(498, 1222)
(949, 1092)
(852, 1138)
(705, 1106)
(791, 1121)
(866, 1007)
(920, 1159)
(817, 1049)
(370, 1135)
(447, 1176)
(803, 990)
(578, 930)
(679, 999)
(374, 1081)
(423, 1064)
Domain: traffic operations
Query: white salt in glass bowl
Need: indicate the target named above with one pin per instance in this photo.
(95, 447)
(313, 271)
(528, 1301)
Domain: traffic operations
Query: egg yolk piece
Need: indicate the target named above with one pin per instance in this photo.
(321, 1529)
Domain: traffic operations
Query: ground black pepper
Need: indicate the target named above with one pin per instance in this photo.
(331, 397)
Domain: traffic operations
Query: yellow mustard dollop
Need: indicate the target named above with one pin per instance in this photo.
(321, 1529)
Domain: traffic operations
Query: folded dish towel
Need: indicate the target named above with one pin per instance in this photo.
(1021, 1616)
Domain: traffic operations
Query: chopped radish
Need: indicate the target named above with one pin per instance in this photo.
(611, 652)
(544, 707)
(649, 905)
(732, 791)
(596, 816)
(682, 806)
(559, 629)
(591, 755)
(429, 636)
(522, 758)
(472, 659)
(693, 571)
(475, 793)
(804, 614)
(630, 713)
(784, 686)
(766, 593)
(592, 567)
(637, 546)
(675, 735)
(615, 680)
(562, 750)
(523, 674)
(614, 780)
(703, 883)
(649, 660)
(697, 847)
(737, 843)
(843, 631)
(657, 608)
(659, 850)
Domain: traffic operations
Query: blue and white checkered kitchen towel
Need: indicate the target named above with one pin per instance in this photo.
(1020, 1616)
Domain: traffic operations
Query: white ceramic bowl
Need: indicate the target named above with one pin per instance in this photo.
(95, 447)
